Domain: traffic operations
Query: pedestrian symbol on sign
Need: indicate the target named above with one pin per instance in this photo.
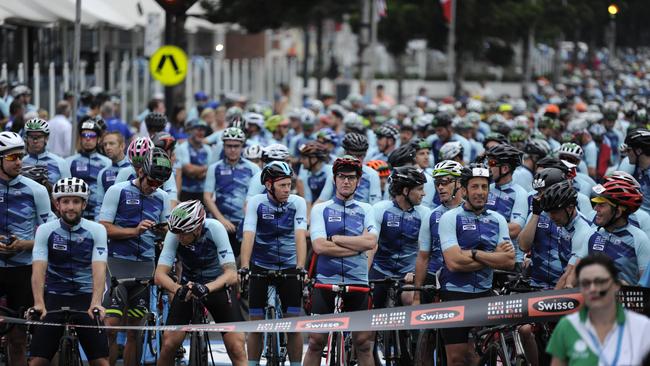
(168, 65)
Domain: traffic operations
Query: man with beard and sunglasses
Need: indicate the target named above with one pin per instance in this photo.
(446, 175)
(69, 270)
(474, 241)
(134, 213)
(24, 204)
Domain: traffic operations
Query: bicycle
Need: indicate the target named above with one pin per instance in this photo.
(5, 328)
(339, 347)
(275, 343)
(69, 354)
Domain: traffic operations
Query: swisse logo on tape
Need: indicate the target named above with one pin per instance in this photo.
(324, 324)
(554, 305)
(433, 316)
(209, 328)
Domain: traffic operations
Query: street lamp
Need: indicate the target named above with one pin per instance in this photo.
(612, 9)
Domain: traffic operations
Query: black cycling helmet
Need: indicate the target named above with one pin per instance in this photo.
(559, 195)
(155, 122)
(537, 147)
(639, 139)
(37, 173)
(92, 124)
(388, 131)
(157, 165)
(474, 170)
(355, 142)
(547, 177)
(551, 162)
(403, 155)
(274, 171)
(443, 119)
(496, 137)
(164, 140)
(505, 155)
(405, 177)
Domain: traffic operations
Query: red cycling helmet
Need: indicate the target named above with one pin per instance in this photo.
(618, 192)
(347, 163)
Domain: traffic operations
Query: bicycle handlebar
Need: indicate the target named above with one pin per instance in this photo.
(341, 288)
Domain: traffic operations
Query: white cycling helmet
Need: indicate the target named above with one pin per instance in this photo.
(70, 187)
(450, 150)
(186, 217)
(233, 134)
(37, 125)
(571, 149)
(254, 119)
(447, 167)
(10, 141)
(253, 152)
(277, 152)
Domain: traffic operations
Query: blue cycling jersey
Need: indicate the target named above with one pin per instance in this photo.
(255, 186)
(432, 247)
(436, 144)
(126, 206)
(523, 177)
(368, 190)
(188, 154)
(582, 236)
(429, 192)
(24, 204)
(643, 176)
(229, 184)
(87, 167)
(464, 228)
(511, 201)
(275, 228)
(400, 235)
(628, 247)
(204, 258)
(297, 141)
(550, 252)
(338, 217)
(314, 181)
(57, 167)
(128, 173)
(69, 252)
(106, 178)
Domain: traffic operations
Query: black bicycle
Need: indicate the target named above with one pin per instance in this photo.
(68, 351)
(5, 328)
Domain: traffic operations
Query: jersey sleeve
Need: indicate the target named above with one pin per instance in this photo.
(100, 189)
(109, 205)
(328, 189)
(40, 251)
(303, 177)
(424, 238)
(591, 155)
(447, 230)
(100, 243)
(504, 232)
(42, 202)
(520, 209)
(642, 250)
(300, 220)
(122, 175)
(210, 179)
(182, 155)
(369, 221)
(375, 188)
(378, 211)
(254, 187)
(170, 188)
(64, 168)
(317, 225)
(168, 254)
(220, 238)
(164, 214)
(250, 220)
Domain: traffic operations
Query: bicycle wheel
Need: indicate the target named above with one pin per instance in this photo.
(493, 356)
(406, 348)
(66, 352)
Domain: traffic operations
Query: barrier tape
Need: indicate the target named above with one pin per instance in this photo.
(514, 309)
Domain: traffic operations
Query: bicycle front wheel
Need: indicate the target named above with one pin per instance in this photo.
(198, 350)
(66, 352)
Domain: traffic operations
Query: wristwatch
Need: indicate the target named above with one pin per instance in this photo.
(474, 251)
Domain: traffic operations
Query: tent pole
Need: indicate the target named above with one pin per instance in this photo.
(75, 74)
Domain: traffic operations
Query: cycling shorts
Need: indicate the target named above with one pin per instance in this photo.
(45, 339)
(222, 305)
(289, 289)
(128, 299)
(322, 301)
(16, 285)
(458, 335)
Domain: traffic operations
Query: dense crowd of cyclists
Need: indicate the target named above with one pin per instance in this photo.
(440, 192)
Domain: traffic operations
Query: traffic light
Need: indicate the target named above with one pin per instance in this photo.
(176, 7)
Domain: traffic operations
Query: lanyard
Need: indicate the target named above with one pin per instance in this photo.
(619, 341)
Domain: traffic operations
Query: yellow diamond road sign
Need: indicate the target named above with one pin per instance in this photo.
(168, 65)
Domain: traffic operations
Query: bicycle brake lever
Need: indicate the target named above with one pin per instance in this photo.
(96, 317)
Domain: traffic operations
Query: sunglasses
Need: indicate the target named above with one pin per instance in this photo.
(154, 182)
(89, 135)
(442, 182)
(492, 163)
(13, 157)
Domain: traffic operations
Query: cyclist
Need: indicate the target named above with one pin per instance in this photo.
(208, 270)
(445, 133)
(560, 201)
(131, 212)
(452, 150)
(534, 150)
(423, 158)
(37, 132)
(638, 152)
(113, 143)
(194, 157)
(383, 170)
(573, 154)
(470, 254)
(155, 122)
(26, 204)
(273, 152)
(227, 182)
(387, 138)
(275, 231)
(625, 244)
(69, 270)
(253, 154)
(506, 197)
(342, 231)
(403, 223)
(314, 170)
(368, 188)
(446, 175)
(405, 155)
(278, 126)
(87, 163)
(307, 122)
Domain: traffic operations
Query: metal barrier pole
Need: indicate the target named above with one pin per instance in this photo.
(135, 87)
(37, 86)
(21, 73)
(124, 68)
(52, 80)
(66, 78)
(216, 74)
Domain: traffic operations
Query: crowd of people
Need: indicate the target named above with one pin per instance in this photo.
(440, 192)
